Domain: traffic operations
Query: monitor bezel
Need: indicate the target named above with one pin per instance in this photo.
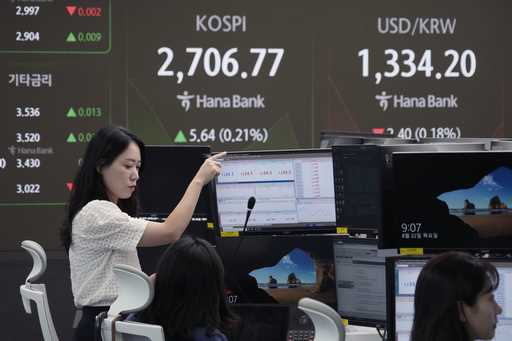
(288, 230)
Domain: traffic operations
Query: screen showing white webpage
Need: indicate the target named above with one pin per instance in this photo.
(406, 277)
(360, 281)
(293, 190)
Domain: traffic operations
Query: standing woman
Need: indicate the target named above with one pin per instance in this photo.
(100, 231)
(454, 299)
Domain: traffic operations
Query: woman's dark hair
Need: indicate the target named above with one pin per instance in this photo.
(444, 283)
(189, 291)
(106, 145)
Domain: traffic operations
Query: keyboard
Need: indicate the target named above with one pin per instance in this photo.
(309, 335)
(301, 335)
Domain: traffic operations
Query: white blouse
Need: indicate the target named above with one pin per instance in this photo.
(102, 236)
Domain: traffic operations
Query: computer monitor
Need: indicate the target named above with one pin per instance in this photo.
(167, 173)
(457, 200)
(360, 281)
(484, 140)
(329, 139)
(358, 176)
(402, 274)
(383, 141)
(294, 192)
(436, 147)
(335, 138)
(263, 269)
(501, 145)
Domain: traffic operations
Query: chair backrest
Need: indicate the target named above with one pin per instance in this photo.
(327, 322)
(37, 292)
(135, 292)
(38, 257)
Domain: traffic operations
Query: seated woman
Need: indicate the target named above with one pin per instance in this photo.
(189, 293)
(454, 299)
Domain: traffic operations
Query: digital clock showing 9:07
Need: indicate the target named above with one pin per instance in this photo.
(411, 227)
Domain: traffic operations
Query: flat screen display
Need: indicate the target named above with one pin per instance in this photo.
(450, 200)
(293, 191)
(360, 281)
(358, 178)
(167, 174)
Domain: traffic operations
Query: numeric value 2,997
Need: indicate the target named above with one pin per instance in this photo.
(27, 10)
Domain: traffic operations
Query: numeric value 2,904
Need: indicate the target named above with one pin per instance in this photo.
(27, 36)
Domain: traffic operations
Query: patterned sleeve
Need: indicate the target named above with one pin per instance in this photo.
(106, 225)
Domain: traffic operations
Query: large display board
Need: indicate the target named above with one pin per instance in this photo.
(234, 75)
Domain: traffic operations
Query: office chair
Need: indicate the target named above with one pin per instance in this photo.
(329, 327)
(135, 292)
(37, 292)
(327, 322)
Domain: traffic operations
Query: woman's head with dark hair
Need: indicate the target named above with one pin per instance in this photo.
(454, 299)
(109, 171)
(189, 290)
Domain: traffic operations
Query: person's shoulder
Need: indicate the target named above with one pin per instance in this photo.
(96, 209)
(99, 205)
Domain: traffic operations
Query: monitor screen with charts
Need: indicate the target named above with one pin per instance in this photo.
(294, 191)
(360, 281)
(402, 274)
